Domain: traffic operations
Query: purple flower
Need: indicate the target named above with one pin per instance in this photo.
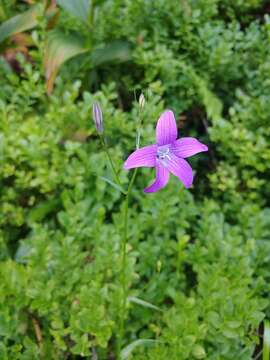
(167, 155)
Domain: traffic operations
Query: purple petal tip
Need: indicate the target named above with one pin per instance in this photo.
(205, 148)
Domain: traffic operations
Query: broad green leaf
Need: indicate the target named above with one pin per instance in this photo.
(116, 51)
(22, 22)
(60, 47)
(77, 8)
(143, 303)
(126, 352)
(266, 341)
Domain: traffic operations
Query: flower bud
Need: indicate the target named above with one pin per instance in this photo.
(142, 100)
(97, 117)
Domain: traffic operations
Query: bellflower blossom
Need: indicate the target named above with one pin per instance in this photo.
(167, 155)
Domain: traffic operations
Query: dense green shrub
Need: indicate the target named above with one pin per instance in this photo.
(201, 255)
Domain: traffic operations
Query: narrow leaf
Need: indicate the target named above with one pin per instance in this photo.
(126, 352)
(143, 303)
(60, 47)
(44, 208)
(22, 22)
(116, 51)
(77, 8)
(117, 187)
(266, 341)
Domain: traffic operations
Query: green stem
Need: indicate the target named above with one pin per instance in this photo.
(266, 341)
(91, 12)
(3, 14)
(91, 21)
(124, 249)
(105, 147)
(123, 265)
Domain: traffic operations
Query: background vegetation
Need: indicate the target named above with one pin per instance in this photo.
(201, 255)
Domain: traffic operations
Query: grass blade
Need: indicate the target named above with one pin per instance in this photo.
(143, 303)
(114, 185)
(129, 348)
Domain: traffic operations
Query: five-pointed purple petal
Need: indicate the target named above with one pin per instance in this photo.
(167, 155)
(166, 130)
(187, 146)
(143, 157)
(162, 177)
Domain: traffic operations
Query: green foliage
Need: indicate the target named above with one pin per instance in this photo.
(80, 9)
(19, 23)
(198, 260)
(60, 48)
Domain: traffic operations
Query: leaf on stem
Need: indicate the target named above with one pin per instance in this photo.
(117, 187)
(141, 342)
(143, 303)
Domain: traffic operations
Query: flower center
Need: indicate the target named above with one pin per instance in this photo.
(163, 153)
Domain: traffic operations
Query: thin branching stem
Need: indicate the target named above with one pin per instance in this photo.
(105, 147)
(124, 284)
(124, 263)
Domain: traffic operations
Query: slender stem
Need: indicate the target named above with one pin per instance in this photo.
(2, 11)
(105, 147)
(91, 13)
(266, 340)
(124, 247)
(123, 263)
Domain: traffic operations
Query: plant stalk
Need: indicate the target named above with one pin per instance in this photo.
(124, 263)
(124, 247)
(105, 147)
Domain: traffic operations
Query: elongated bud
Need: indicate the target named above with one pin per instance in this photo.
(97, 117)
(142, 100)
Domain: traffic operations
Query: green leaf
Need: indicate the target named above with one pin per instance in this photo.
(22, 253)
(22, 22)
(114, 185)
(59, 48)
(212, 103)
(198, 352)
(143, 303)
(79, 8)
(41, 210)
(117, 51)
(266, 340)
(141, 342)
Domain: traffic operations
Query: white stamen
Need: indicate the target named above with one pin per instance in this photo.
(163, 153)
